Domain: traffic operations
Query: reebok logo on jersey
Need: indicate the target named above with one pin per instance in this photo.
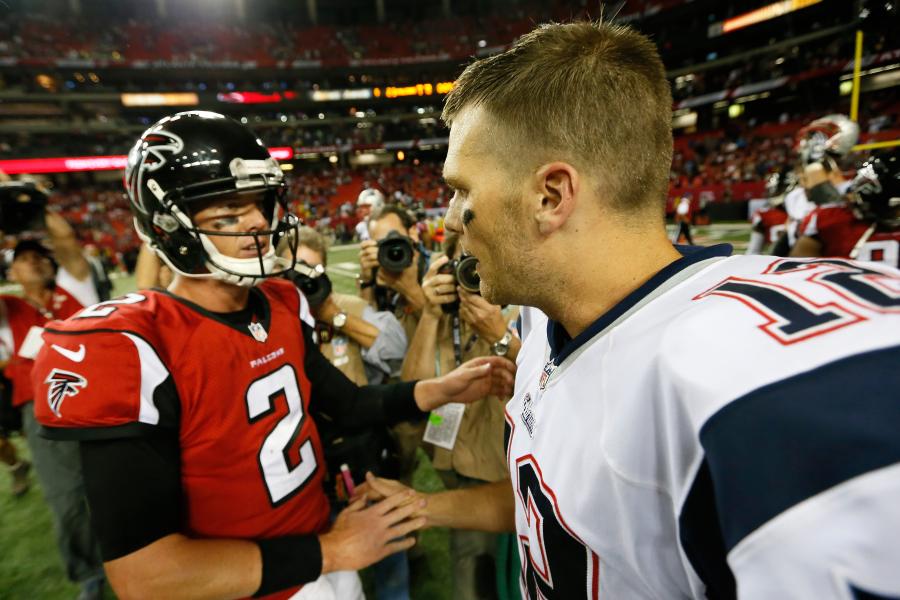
(528, 414)
(73, 355)
(61, 384)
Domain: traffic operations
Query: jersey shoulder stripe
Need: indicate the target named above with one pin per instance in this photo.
(812, 419)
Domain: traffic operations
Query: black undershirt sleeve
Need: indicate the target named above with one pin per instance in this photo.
(133, 488)
(351, 407)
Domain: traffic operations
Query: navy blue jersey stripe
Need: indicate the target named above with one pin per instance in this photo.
(790, 440)
(860, 594)
(701, 538)
(561, 345)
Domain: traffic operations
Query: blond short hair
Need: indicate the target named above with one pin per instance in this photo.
(592, 94)
(308, 237)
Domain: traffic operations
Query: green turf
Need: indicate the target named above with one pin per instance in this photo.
(30, 567)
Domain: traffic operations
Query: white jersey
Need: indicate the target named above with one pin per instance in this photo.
(797, 206)
(730, 429)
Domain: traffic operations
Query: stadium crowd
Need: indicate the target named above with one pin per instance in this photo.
(730, 164)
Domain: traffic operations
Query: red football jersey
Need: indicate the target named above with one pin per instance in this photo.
(237, 398)
(19, 317)
(838, 230)
(771, 222)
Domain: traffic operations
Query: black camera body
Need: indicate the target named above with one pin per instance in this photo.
(395, 252)
(465, 276)
(312, 281)
(22, 207)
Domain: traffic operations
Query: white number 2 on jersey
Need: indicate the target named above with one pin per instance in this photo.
(104, 309)
(282, 481)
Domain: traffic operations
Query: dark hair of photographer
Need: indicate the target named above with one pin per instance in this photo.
(406, 217)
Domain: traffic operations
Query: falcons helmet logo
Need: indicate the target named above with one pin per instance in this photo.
(61, 384)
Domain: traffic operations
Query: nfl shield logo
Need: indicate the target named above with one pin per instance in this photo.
(545, 375)
(339, 346)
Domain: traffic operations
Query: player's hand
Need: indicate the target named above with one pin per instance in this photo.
(485, 318)
(378, 488)
(362, 536)
(439, 288)
(368, 259)
(467, 383)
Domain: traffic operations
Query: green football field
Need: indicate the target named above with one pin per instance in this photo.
(30, 567)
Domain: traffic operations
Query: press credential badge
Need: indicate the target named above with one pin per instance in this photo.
(443, 425)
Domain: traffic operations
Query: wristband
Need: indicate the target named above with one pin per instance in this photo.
(287, 562)
(365, 284)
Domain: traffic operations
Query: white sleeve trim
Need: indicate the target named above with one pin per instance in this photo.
(305, 314)
(153, 373)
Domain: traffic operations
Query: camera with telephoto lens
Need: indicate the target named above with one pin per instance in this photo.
(395, 252)
(464, 275)
(312, 281)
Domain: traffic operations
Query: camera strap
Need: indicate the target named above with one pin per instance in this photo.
(458, 349)
(457, 339)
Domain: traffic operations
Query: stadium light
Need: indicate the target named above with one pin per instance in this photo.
(759, 15)
(170, 99)
(74, 164)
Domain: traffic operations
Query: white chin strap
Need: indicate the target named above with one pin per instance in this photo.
(238, 271)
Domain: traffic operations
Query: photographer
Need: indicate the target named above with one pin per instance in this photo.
(457, 325)
(55, 284)
(368, 346)
(392, 265)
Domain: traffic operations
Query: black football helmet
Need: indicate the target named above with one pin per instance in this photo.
(875, 191)
(199, 156)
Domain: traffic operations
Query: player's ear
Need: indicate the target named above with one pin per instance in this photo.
(557, 185)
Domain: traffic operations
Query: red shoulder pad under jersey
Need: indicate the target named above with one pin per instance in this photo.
(285, 292)
(831, 216)
(99, 374)
(838, 230)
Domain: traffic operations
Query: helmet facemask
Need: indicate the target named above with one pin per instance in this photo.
(202, 259)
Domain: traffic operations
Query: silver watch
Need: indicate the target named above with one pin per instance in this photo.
(339, 320)
(501, 347)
